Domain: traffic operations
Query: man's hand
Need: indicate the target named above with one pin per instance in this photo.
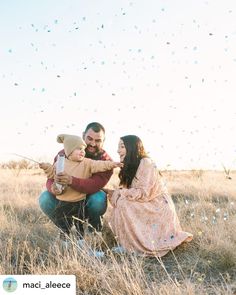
(63, 178)
(55, 190)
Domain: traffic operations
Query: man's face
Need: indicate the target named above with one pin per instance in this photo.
(94, 141)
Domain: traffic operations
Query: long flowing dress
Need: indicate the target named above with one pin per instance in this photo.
(143, 217)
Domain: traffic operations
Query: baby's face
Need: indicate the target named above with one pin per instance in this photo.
(78, 154)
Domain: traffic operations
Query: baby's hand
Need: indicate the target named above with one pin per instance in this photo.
(48, 169)
(118, 164)
(44, 166)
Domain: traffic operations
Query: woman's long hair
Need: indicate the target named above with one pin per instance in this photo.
(134, 153)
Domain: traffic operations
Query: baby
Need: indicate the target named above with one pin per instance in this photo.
(76, 165)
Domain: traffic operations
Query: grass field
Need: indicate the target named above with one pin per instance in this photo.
(206, 205)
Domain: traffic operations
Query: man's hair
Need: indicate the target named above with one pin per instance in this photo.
(95, 126)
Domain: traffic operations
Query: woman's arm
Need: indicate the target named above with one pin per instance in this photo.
(145, 186)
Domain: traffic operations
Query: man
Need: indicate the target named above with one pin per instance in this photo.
(95, 203)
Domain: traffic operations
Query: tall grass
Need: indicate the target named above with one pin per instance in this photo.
(206, 205)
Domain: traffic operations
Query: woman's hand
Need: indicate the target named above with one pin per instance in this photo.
(109, 192)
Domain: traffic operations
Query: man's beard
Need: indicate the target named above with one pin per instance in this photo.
(93, 155)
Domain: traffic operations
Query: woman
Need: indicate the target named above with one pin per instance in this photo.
(143, 216)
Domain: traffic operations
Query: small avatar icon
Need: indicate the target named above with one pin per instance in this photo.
(9, 284)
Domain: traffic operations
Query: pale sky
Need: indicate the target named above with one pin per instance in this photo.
(162, 70)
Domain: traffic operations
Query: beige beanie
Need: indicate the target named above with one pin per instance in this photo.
(71, 142)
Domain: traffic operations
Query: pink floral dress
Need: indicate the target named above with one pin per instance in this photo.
(143, 217)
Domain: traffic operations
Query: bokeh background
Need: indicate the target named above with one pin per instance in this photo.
(163, 70)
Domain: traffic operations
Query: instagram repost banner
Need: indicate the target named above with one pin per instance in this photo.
(38, 284)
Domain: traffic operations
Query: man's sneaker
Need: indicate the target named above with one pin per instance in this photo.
(64, 245)
(96, 253)
(118, 250)
(81, 243)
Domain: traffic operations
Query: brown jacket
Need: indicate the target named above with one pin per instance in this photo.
(83, 169)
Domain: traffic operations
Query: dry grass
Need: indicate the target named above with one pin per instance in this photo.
(206, 205)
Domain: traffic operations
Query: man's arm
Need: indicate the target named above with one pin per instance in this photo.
(86, 185)
(92, 184)
(49, 184)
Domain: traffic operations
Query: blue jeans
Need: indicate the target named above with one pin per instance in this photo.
(95, 206)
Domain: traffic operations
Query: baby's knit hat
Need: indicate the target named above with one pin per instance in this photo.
(71, 142)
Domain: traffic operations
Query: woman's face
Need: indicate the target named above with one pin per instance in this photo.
(121, 150)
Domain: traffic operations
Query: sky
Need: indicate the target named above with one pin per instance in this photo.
(162, 70)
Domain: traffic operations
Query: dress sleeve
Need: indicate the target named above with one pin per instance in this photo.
(143, 187)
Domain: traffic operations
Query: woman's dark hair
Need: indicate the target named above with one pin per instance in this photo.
(134, 153)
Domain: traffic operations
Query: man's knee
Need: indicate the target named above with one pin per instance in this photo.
(97, 203)
(47, 202)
